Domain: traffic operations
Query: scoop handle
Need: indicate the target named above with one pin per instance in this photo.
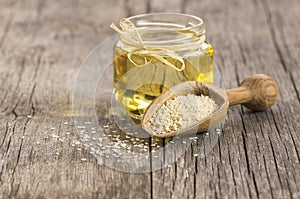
(257, 93)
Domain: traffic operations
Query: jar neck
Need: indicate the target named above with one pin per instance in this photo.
(176, 32)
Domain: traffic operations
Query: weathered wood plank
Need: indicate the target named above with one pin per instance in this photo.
(42, 46)
(257, 155)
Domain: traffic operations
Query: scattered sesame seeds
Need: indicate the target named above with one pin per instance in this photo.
(196, 154)
(181, 112)
(83, 159)
(29, 116)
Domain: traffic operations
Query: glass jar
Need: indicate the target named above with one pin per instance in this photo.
(155, 52)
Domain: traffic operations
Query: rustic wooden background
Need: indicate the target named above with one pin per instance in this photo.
(42, 44)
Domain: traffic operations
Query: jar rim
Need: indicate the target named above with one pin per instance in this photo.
(165, 30)
(198, 22)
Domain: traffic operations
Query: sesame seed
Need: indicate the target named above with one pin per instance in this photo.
(55, 136)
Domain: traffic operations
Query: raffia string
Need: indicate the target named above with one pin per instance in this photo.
(132, 38)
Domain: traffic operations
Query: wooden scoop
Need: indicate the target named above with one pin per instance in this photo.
(257, 93)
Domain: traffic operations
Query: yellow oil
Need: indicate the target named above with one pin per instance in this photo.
(135, 87)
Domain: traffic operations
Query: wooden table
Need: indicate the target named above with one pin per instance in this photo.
(42, 44)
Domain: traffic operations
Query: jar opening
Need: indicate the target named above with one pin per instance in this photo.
(175, 21)
(168, 28)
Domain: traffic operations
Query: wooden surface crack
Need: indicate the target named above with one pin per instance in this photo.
(13, 110)
(295, 87)
(148, 6)
(255, 185)
(244, 135)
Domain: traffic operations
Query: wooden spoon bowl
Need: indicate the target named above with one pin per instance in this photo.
(257, 93)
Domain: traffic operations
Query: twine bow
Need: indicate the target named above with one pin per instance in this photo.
(132, 38)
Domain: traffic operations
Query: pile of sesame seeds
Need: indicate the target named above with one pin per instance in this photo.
(181, 112)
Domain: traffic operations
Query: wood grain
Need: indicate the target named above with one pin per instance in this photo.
(258, 93)
(253, 157)
(42, 44)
